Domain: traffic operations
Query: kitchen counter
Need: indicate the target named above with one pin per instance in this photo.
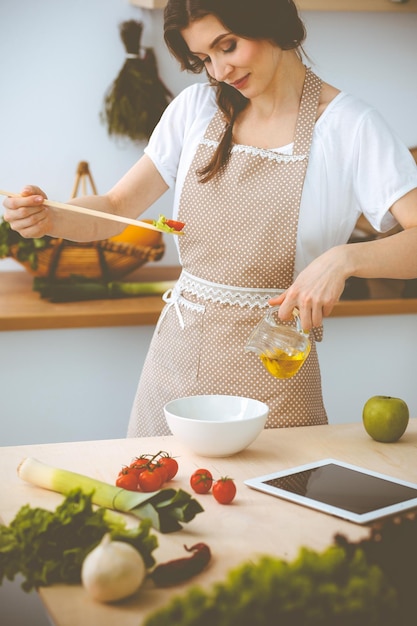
(252, 525)
(22, 309)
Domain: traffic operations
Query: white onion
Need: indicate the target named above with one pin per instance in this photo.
(112, 571)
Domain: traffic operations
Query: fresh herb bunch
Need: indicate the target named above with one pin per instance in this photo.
(27, 249)
(371, 582)
(316, 589)
(49, 547)
(392, 546)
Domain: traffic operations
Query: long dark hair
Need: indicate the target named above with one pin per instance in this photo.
(273, 20)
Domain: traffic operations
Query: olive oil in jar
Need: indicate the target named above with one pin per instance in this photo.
(283, 365)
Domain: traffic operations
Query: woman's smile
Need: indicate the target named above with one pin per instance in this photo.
(240, 83)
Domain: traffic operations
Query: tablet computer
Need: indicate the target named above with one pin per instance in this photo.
(353, 493)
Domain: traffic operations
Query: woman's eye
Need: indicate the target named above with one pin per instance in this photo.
(231, 47)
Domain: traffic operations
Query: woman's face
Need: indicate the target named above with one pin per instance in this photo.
(246, 64)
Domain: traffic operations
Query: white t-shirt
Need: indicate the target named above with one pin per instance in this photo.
(356, 165)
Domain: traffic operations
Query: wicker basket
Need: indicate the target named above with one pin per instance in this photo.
(100, 260)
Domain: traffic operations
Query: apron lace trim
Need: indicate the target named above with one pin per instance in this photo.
(215, 292)
(262, 152)
(224, 294)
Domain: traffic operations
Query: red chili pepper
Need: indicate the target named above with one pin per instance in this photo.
(179, 570)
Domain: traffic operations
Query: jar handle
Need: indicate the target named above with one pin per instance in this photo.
(295, 314)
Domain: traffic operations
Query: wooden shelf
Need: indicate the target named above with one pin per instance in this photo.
(383, 6)
(21, 308)
(149, 4)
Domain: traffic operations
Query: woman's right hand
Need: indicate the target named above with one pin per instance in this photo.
(27, 214)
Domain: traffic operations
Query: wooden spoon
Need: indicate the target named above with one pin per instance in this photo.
(94, 213)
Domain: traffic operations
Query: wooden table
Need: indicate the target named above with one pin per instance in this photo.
(253, 524)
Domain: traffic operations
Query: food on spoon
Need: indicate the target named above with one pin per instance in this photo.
(169, 226)
(113, 570)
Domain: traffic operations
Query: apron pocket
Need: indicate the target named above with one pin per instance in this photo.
(176, 344)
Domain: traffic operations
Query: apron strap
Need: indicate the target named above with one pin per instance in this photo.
(307, 114)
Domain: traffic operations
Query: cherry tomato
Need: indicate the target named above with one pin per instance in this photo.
(138, 465)
(127, 479)
(160, 469)
(139, 461)
(175, 224)
(201, 481)
(171, 464)
(149, 480)
(224, 490)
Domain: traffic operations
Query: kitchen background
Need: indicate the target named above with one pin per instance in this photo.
(57, 59)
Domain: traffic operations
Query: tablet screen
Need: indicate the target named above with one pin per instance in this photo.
(361, 492)
(341, 489)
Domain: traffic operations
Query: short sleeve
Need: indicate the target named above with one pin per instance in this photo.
(180, 123)
(385, 170)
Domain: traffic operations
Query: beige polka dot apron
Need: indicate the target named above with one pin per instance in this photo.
(238, 251)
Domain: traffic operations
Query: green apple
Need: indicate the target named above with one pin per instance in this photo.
(385, 418)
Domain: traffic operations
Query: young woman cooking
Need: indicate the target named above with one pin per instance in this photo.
(271, 168)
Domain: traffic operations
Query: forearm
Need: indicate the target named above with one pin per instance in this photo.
(83, 228)
(390, 257)
(29, 214)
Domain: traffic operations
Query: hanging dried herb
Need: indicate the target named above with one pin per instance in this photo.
(136, 100)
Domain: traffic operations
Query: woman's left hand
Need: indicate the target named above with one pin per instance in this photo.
(316, 289)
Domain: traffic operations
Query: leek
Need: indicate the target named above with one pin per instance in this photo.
(166, 509)
(78, 288)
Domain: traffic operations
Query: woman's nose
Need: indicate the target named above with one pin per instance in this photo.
(221, 70)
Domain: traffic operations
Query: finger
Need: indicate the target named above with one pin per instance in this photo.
(30, 227)
(32, 190)
(317, 317)
(276, 300)
(24, 202)
(305, 320)
(286, 308)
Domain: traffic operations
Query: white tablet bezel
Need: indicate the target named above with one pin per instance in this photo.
(259, 484)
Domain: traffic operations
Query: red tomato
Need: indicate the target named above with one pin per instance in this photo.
(139, 461)
(149, 480)
(201, 481)
(162, 470)
(138, 465)
(171, 465)
(224, 490)
(127, 479)
(175, 225)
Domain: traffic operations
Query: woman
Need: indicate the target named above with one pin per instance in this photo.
(271, 169)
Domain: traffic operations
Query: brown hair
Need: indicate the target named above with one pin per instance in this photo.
(274, 20)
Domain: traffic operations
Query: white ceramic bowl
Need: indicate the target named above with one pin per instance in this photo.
(216, 425)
